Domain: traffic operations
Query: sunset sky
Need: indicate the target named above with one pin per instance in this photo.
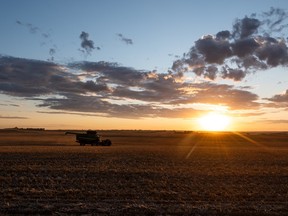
(149, 64)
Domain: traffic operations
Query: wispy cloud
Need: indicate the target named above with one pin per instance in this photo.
(128, 41)
(12, 117)
(32, 29)
(46, 36)
(275, 121)
(13, 105)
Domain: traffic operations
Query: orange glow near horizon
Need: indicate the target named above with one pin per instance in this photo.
(214, 122)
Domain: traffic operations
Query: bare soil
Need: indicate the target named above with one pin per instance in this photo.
(144, 173)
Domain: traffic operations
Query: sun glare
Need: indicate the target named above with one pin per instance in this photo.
(214, 122)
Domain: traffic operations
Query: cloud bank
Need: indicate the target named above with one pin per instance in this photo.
(111, 90)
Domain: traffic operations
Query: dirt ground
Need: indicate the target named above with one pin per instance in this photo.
(144, 173)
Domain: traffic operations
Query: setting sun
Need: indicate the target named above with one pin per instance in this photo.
(214, 122)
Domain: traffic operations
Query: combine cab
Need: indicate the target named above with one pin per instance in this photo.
(90, 137)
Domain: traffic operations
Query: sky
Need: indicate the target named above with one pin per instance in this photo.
(135, 64)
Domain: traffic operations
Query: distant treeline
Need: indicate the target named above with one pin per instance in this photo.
(34, 129)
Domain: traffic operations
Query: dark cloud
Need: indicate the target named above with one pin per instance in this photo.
(86, 44)
(175, 56)
(32, 29)
(245, 27)
(167, 88)
(52, 52)
(275, 19)
(249, 114)
(21, 77)
(12, 117)
(110, 72)
(278, 101)
(223, 35)
(9, 104)
(280, 98)
(109, 89)
(134, 84)
(255, 43)
(213, 50)
(45, 35)
(148, 112)
(15, 105)
(244, 47)
(235, 74)
(220, 94)
(275, 121)
(125, 40)
(273, 53)
(68, 113)
(100, 107)
(28, 78)
(160, 89)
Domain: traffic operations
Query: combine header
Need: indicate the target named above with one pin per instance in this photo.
(90, 137)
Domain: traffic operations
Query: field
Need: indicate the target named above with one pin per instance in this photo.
(144, 173)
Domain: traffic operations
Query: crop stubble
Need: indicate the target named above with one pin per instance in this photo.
(144, 172)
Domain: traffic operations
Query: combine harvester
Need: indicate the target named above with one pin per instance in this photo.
(90, 137)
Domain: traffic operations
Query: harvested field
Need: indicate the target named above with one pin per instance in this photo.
(144, 173)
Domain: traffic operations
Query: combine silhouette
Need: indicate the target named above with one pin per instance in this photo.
(90, 137)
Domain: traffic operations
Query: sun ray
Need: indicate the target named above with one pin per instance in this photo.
(251, 141)
(191, 151)
(192, 139)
